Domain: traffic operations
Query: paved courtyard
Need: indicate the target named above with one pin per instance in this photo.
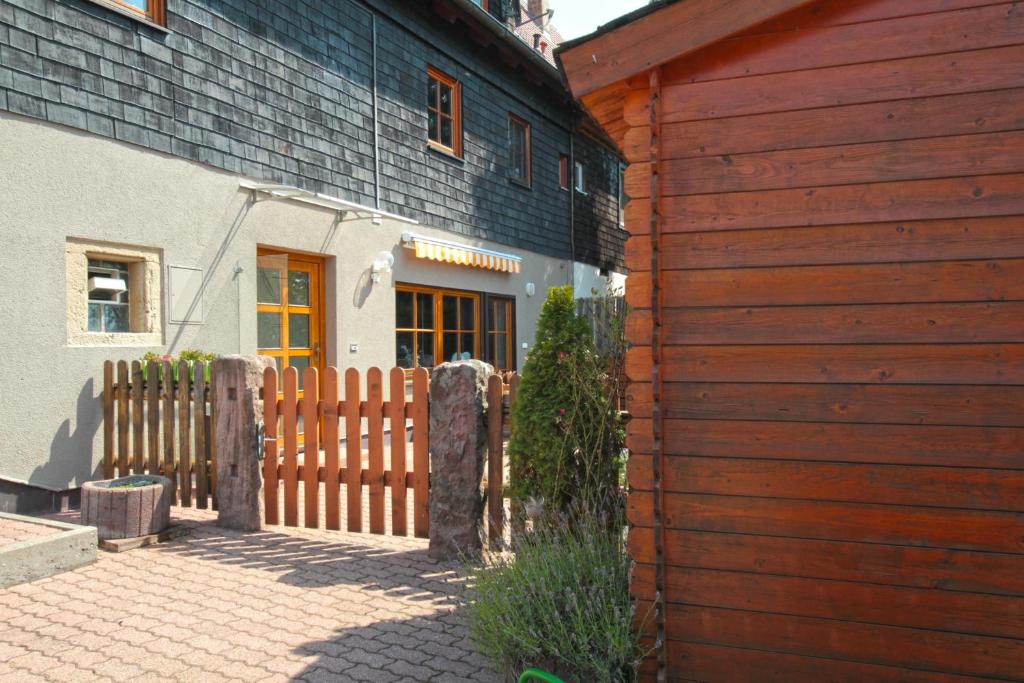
(277, 605)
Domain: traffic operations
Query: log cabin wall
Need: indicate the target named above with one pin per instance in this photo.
(841, 250)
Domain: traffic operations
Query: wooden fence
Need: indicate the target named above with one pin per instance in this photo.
(322, 409)
(157, 419)
(501, 394)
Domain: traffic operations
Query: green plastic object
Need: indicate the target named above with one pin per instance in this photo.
(538, 675)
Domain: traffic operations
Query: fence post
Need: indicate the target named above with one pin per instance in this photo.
(239, 412)
(458, 445)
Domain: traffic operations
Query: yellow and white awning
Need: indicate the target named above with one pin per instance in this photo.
(460, 254)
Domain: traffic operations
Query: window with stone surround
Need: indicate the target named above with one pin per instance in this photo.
(113, 294)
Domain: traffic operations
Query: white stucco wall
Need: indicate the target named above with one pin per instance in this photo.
(57, 183)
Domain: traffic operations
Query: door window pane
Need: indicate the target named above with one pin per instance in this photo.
(424, 310)
(500, 316)
(468, 318)
(450, 313)
(298, 288)
(425, 340)
(268, 330)
(403, 309)
(500, 351)
(268, 285)
(300, 363)
(468, 346)
(298, 331)
(403, 350)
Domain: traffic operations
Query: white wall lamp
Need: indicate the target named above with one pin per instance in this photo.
(383, 262)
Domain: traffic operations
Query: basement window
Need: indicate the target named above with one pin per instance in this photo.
(109, 283)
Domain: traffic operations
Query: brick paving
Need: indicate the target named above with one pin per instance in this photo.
(15, 531)
(277, 605)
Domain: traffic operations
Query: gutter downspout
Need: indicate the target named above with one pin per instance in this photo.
(376, 131)
(572, 201)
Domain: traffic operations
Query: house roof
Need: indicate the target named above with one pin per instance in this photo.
(656, 34)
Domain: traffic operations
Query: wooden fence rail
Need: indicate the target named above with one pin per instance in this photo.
(157, 419)
(322, 408)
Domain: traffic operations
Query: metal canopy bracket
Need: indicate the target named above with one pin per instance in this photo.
(297, 194)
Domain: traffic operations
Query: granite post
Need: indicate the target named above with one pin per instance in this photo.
(458, 451)
(239, 380)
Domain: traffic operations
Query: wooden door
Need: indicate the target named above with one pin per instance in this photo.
(289, 309)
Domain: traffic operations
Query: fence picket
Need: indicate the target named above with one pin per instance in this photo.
(375, 441)
(138, 434)
(517, 514)
(399, 526)
(184, 436)
(211, 442)
(311, 444)
(332, 465)
(108, 419)
(353, 451)
(199, 391)
(421, 452)
(169, 450)
(153, 415)
(291, 447)
(271, 452)
(122, 418)
(495, 462)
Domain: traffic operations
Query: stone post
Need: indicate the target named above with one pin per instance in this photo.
(239, 380)
(458, 451)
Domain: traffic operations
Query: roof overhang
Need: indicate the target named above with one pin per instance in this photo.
(658, 34)
(297, 194)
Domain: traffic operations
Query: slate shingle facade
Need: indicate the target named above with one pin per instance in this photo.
(283, 91)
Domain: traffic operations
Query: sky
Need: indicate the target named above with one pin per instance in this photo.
(575, 18)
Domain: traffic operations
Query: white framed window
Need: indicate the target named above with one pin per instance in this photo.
(579, 179)
(113, 294)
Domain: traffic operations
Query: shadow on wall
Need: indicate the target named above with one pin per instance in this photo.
(71, 450)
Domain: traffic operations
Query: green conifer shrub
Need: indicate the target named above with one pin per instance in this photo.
(566, 441)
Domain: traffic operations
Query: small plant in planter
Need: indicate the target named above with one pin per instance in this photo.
(189, 355)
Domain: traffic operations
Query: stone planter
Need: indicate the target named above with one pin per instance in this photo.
(126, 507)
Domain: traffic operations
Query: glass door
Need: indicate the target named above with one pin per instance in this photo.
(289, 310)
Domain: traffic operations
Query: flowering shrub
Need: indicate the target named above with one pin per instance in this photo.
(561, 603)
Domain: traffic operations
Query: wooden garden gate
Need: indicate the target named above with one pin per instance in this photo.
(321, 461)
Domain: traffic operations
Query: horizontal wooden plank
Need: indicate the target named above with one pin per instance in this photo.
(861, 324)
(814, 46)
(983, 406)
(969, 655)
(996, 447)
(924, 608)
(894, 565)
(869, 162)
(666, 34)
(972, 71)
(867, 364)
(952, 487)
(840, 12)
(916, 200)
(946, 281)
(954, 529)
(921, 117)
(719, 664)
(910, 241)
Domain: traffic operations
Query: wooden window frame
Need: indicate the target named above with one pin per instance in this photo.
(156, 14)
(438, 329)
(528, 149)
(456, 116)
(509, 333)
(564, 176)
